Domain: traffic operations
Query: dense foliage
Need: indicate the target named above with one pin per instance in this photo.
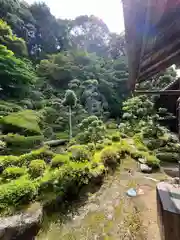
(141, 121)
(64, 82)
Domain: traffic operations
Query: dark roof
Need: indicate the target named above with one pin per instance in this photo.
(152, 30)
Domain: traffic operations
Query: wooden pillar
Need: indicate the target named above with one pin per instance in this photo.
(178, 116)
(168, 207)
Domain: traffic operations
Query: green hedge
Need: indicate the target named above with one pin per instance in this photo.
(24, 160)
(43, 153)
(151, 159)
(116, 138)
(7, 161)
(13, 172)
(168, 156)
(20, 141)
(80, 153)
(9, 107)
(110, 157)
(59, 160)
(37, 168)
(17, 192)
(26, 122)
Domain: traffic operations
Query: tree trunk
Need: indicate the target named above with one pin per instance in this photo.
(70, 123)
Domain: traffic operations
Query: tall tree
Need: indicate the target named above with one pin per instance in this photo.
(90, 34)
(7, 38)
(51, 34)
(70, 100)
(16, 75)
(117, 45)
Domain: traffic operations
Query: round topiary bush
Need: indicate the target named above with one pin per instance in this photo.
(80, 153)
(153, 161)
(91, 147)
(107, 142)
(99, 146)
(7, 161)
(16, 193)
(168, 156)
(110, 157)
(37, 168)
(115, 138)
(111, 125)
(13, 172)
(59, 160)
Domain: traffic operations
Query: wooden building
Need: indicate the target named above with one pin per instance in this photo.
(170, 103)
(152, 29)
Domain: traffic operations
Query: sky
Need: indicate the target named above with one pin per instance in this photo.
(110, 11)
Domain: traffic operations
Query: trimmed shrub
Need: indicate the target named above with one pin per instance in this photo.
(172, 138)
(99, 146)
(2, 145)
(150, 159)
(26, 122)
(91, 147)
(123, 135)
(138, 143)
(72, 142)
(16, 193)
(107, 142)
(13, 172)
(153, 161)
(19, 141)
(62, 135)
(116, 138)
(126, 148)
(170, 147)
(9, 107)
(80, 153)
(41, 153)
(168, 156)
(6, 161)
(136, 155)
(153, 144)
(59, 160)
(110, 157)
(111, 125)
(37, 168)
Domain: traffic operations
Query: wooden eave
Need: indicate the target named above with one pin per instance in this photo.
(152, 29)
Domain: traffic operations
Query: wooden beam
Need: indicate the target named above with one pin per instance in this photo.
(159, 66)
(160, 92)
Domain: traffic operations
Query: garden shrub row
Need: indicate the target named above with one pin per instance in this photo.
(24, 160)
(17, 193)
(33, 175)
(15, 141)
(43, 175)
(24, 122)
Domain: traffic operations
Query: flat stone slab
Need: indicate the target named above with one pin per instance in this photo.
(145, 168)
(170, 196)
